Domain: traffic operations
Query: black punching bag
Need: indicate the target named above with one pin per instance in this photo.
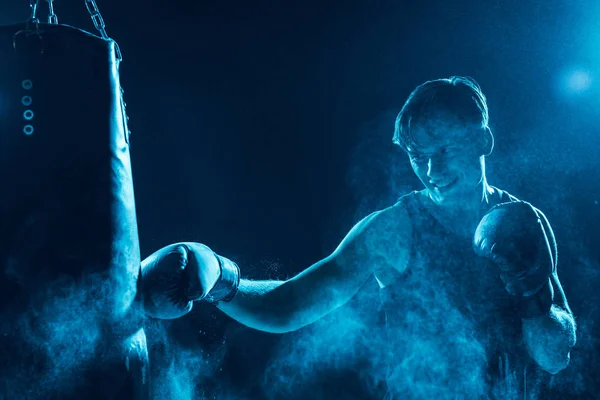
(69, 249)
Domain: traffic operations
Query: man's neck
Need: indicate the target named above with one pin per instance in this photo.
(466, 214)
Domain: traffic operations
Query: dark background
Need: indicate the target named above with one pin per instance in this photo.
(263, 129)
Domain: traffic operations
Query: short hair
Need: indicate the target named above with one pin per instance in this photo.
(458, 95)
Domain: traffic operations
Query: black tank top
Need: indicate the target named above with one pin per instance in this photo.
(452, 329)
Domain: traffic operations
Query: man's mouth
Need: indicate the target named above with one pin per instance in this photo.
(444, 184)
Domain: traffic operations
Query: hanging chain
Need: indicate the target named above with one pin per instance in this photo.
(99, 24)
(33, 4)
(33, 18)
(52, 18)
(101, 27)
(96, 17)
(92, 9)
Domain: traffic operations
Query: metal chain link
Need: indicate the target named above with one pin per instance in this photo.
(52, 17)
(92, 8)
(33, 4)
(101, 27)
(96, 17)
(99, 24)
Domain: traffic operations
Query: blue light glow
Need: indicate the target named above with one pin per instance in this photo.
(575, 81)
(579, 81)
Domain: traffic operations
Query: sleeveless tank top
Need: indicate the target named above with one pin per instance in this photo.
(452, 329)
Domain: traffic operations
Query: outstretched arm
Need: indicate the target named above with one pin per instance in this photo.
(282, 306)
(377, 242)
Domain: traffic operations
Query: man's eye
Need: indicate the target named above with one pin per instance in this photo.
(449, 152)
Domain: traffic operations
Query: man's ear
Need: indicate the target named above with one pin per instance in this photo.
(487, 142)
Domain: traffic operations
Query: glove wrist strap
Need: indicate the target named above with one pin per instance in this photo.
(228, 283)
(538, 304)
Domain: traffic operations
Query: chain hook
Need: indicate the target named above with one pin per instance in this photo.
(33, 5)
(52, 17)
(29, 31)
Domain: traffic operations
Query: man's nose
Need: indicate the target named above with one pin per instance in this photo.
(436, 166)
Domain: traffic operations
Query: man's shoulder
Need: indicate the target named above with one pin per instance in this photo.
(409, 197)
(388, 228)
(389, 241)
(502, 196)
(397, 213)
(386, 222)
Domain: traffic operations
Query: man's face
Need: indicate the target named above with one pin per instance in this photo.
(447, 158)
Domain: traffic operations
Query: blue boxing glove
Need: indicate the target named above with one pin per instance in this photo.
(175, 276)
(514, 237)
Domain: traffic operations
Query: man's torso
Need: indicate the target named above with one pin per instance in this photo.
(452, 331)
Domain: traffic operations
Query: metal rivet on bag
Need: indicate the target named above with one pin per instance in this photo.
(28, 130)
(28, 115)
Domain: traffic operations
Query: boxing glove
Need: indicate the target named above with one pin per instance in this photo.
(512, 235)
(175, 276)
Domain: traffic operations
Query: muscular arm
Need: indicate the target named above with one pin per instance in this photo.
(282, 306)
(549, 338)
(376, 242)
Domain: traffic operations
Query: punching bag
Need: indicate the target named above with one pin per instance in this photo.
(69, 250)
